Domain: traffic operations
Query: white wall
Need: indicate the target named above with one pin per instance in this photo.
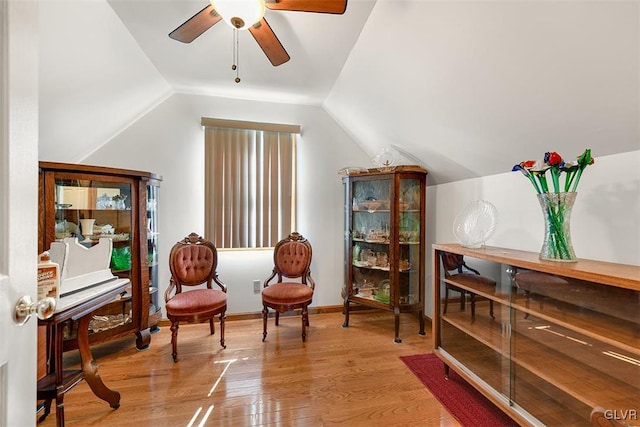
(169, 141)
(605, 221)
(492, 79)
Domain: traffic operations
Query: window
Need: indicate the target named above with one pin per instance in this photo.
(250, 183)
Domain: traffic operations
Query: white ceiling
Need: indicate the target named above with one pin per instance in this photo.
(466, 88)
(318, 44)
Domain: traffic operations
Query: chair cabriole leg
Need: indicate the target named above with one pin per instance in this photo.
(223, 317)
(305, 313)
(174, 340)
(265, 312)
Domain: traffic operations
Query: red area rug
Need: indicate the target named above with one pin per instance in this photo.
(463, 401)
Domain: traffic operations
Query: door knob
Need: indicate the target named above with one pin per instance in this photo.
(25, 307)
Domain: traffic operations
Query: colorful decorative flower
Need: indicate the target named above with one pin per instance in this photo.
(556, 204)
(553, 162)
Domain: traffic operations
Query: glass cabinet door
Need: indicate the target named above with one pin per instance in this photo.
(474, 320)
(410, 216)
(152, 255)
(91, 209)
(370, 225)
(585, 330)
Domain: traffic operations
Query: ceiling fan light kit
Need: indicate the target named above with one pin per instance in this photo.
(249, 14)
(240, 14)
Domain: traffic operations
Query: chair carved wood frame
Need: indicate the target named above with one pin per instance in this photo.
(193, 262)
(470, 278)
(292, 260)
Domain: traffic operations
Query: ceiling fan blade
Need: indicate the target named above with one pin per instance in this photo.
(320, 6)
(269, 43)
(196, 25)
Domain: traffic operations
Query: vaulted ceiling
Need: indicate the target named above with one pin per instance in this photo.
(465, 88)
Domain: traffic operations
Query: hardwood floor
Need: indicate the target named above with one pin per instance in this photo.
(339, 377)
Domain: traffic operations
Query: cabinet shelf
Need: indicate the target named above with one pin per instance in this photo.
(618, 332)
(564, 352)
(72, 209)
(376, 267)
(371, 211)
(384, 211)
(573, 340)
(487, 369)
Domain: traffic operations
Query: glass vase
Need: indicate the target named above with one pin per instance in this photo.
(556, 208)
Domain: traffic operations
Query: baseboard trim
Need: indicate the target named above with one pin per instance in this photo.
(312, 310)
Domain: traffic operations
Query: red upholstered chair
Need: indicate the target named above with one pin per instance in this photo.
(457, 270)
(193, 262)
(294, 287)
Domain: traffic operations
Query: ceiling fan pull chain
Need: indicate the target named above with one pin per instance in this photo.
(236, 50)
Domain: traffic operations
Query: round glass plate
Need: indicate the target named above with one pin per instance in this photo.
(475, 224)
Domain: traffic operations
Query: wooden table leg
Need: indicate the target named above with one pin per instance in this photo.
(60, 406)
(58, 368)
(396, 314)
(90, 368)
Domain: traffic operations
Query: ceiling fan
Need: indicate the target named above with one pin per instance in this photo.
(249, 14)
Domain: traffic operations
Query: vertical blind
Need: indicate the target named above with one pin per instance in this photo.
(250, 185)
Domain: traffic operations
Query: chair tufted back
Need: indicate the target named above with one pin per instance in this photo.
(193, 263)
(292, 258)
(452, 261)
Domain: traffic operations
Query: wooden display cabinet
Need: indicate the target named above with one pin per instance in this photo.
(385, 241)
(565, 338)
(123, 205)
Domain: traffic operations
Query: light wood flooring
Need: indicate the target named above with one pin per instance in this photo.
(339, 377)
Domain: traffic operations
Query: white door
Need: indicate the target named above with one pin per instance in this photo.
(18, 207)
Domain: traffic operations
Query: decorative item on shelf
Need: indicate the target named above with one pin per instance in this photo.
(404, 265)
(86, 227)
(371, 257)
(556, 203)
(119, 237)
(121, 258)
(556, 208)
(352, 170)
(119, 199)
(409, 228)
(102, 323)
(65, 228)
(384, 160)
(382, 294)
(103, 230)
(356, 252)
(410, 197)
(475, 224)
(104, 202)
(372, 204)
(382, 259)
